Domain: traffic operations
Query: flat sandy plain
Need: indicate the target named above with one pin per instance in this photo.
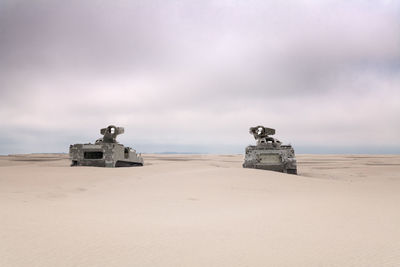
(200, 210)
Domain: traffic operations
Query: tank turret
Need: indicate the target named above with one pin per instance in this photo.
(269, 153)
(105, 152)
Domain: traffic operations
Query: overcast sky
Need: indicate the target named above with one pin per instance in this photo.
(193, 76)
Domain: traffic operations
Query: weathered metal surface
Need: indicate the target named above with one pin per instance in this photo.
(269, 153)
(105, 152)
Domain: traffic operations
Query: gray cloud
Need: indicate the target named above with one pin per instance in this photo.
(197, 74)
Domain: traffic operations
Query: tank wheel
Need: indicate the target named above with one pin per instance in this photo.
(292, 171)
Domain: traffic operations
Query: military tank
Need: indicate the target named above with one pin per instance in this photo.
(269, 153)
(105, 152)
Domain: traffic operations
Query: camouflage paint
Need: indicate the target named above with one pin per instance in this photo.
(269, 154)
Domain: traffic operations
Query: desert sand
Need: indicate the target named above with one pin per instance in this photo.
(200, 210)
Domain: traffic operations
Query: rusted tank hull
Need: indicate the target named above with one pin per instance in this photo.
(268, 157)
(104, 155)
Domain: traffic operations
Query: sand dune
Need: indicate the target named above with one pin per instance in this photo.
(200, 210)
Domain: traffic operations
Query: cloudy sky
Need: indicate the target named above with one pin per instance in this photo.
(193, 76)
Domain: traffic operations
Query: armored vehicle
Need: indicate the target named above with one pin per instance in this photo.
(105, 152)
(269, 153)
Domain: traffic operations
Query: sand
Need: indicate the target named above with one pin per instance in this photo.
(200, 210)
